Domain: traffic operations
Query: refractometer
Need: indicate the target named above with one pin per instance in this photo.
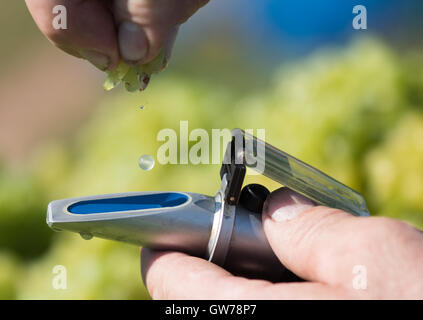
(225, 229)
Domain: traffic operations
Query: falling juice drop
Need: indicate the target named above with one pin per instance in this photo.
(146, 162)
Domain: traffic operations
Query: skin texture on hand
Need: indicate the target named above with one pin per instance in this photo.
(321, 245)
(103, 31)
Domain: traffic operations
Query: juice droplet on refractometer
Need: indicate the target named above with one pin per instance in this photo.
(86, 235)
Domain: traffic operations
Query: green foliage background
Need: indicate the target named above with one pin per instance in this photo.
(354, 113)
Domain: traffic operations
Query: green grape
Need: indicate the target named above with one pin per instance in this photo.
(134, 77)
(130, 80)
(115, 77)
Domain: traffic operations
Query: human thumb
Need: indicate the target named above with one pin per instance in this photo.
(147, 26)
(303, 235)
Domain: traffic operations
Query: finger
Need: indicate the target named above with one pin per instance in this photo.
(90, 29)
(145, 26)
(314, 242)
(172, 275)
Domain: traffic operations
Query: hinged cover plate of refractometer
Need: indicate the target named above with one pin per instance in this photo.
(233, 166)
(246, 150)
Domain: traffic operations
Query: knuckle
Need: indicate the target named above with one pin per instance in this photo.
(371, 232)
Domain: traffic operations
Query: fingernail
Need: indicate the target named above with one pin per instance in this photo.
(284, 205)
(98, 59)
(133, 43)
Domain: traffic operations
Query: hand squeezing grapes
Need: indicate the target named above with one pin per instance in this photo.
(129, 39)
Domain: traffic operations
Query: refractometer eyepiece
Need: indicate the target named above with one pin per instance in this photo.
(253, 196)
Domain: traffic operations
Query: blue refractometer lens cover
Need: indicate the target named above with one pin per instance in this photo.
(141, 202)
